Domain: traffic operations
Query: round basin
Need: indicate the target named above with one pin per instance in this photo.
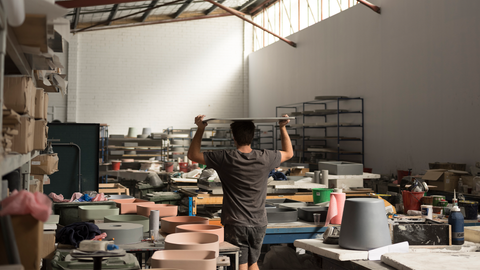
(192, 241)
(129, 219)
(203, 228)
(168, 224)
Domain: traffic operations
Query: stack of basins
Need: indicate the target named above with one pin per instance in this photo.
(131, 222)
(191, 244)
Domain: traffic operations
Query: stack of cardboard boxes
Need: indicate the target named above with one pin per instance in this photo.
(31, 104)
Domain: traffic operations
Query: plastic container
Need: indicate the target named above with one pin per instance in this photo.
(183, 166)
(411, 200)
(116, 165)
(471, 209)
(321, 194)
(455, 219)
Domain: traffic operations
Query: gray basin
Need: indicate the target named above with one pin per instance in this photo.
(306, 213)
(95, 212)
(281, 215)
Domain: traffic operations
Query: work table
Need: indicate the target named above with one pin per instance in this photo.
(418, 257)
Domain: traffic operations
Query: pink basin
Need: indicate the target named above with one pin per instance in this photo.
(168, 224)
(192, 241)
(185, 259)
(213, 229)
(165, 210)
(129, 206)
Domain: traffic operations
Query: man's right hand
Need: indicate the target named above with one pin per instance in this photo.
(199, 121)
(283, 123)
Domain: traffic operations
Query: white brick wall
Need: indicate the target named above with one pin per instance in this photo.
(157, 76)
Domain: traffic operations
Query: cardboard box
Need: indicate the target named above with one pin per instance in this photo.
(23, 142)
(299, 171)
(19, 93)
(42, 178)
(35, 186)
(48, 245)
(41, 135)
(45, 106)
(29, 236)
(39, 104)
(442, 179)
(44, 164)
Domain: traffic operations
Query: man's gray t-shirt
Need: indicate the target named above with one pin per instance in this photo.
(244, 182)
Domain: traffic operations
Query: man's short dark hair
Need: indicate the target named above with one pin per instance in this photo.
(243, 132)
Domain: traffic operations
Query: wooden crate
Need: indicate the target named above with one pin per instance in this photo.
(113, 188)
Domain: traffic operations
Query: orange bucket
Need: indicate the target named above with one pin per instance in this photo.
(411, 200)
(116, 165)
(183, 166)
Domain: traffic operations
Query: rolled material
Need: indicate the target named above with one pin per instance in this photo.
(316, 176)
(335, 210)
(325, 177)
(154, 220)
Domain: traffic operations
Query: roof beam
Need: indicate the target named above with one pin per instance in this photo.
(211, 9)
(75, 18)
(147, 13)
(239, 15)
(370, 5)
(182, 8)
(113, 13)
(246, 5)
(118, 26)
(91, 3)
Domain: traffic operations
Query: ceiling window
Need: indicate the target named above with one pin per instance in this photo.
(285, 17)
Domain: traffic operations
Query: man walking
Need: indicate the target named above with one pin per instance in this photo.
(243, 173)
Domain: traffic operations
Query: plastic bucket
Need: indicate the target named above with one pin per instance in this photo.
(471, 209)
(116, 165)
(169, 166)
(183, 166)
(411, 200)
(321, 194)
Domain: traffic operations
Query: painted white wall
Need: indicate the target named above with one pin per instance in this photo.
(157, 76)
(417, 66)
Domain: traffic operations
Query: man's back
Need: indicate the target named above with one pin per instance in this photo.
(244, 182)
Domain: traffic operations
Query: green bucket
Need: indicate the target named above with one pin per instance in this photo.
(321, 194)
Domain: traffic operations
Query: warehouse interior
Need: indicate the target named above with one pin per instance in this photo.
(385, 90)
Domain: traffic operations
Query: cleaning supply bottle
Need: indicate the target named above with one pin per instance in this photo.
(455, 200)
(460, 185)
(455, 219)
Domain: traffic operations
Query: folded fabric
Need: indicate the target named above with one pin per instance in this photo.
(57, 198)
(277, 175)
(76, 232)
(99, 198)
(24, 202)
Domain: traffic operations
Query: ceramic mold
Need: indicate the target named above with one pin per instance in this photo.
(95, 212)
(137, 219)
(203, 228)
(168, 224)
(192, 241)
(281, 215)
(185, 259)
(129, 206)
(123, 233)
(166, 210)
(364, 225)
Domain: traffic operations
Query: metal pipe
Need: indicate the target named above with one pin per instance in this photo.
(370, 5)
(236, 13)
(79, 161)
